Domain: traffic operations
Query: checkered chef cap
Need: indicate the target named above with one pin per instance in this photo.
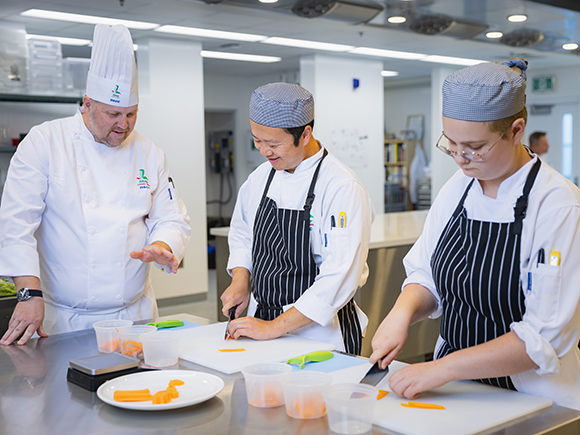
(485, 92)
(281, 105)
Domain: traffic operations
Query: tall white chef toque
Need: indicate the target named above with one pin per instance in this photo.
(112, 77)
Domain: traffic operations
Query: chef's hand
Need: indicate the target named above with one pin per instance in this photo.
(389, 339)
(238, 293)
(255, 328)
(25, 321)
(159, 252)
(412, 380)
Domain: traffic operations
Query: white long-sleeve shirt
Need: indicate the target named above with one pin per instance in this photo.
(339, 253)
(550, 327)
(73, 209)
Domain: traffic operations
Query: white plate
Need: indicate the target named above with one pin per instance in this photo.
(198, 387)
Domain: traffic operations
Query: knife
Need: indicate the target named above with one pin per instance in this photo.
(232, 315)
(375, 375)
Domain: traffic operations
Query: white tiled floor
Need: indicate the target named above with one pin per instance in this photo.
(206, 308)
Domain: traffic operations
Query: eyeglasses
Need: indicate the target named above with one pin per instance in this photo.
(473, 156)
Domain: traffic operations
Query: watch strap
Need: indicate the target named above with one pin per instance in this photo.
(26, 293)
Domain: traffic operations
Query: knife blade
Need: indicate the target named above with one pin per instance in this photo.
(232, 315)
(375, 375)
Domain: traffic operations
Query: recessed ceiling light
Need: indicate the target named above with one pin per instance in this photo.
(61, 39)
(493, 35)
(570, 46)
(517, 18)
(387, 73)
(303, 43)
(208, 33)
(451, 60)
(396, 19)
(239, 56)
(86, 19)
(368, 51)
(268, 1)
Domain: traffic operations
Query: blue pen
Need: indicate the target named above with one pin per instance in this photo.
(529, 281)
(325, 241)
(332, 222)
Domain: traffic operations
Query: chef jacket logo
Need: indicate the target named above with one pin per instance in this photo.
(115, 98)
(311, 222)
(142, 180)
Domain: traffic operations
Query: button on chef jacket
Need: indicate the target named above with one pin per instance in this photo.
(550, 327)
(340, 253)
(71, 212)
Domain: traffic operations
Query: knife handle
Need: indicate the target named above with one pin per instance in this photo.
(232, 312)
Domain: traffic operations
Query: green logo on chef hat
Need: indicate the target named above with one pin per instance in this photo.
(116, 91)
(142, 180)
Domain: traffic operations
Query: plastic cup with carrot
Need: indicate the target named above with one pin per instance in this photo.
(108, 334)
(304, 394)
(264, 384)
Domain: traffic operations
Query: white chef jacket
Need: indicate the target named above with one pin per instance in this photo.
(339, 253)
(550, 327)
(73, 209)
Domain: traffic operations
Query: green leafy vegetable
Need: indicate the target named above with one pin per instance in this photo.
(7, 288)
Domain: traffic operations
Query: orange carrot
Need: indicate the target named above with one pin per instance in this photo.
(422, 405)
(232, 350)
(161, 397)
(382, 393)
(132, 395)
(175, 382)
(173, 394)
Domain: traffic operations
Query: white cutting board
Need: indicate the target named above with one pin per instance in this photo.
(201, 346)
(471, 407)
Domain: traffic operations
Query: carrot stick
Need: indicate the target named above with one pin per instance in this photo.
(175, 382)
(132, 395)
(422, 405)
(382, 393)
(161, 397)
(232, 350)
(173, 394)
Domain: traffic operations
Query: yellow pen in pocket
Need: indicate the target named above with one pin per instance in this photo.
(554, 258)
(342, 220)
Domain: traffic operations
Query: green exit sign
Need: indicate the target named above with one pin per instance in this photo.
(543, 84)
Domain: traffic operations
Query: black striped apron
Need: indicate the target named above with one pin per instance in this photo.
(476, 269)
(283, 264)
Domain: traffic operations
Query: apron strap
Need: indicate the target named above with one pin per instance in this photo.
(522, 202)
(310, 196)
(270, 177)
(460, 204)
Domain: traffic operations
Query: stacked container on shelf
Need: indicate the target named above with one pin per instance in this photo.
(44, 66)
(13, 54)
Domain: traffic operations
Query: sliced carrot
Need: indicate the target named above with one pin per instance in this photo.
(422, 405)
(111, 345)
(161, 397)
(172, 392)
(176, 382)
(313, 406)
(132, 395)
(229, 338)
(232, 350)
(382, 393)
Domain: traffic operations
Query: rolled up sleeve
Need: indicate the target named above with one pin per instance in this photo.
(551, 322)
(344, 256)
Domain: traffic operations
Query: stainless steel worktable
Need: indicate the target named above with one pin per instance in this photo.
(37, 399)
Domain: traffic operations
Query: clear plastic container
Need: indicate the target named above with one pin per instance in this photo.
(109, 334)
(131, 340)
(264, 384)
(350, 407)
(303, 394)
(160, 349)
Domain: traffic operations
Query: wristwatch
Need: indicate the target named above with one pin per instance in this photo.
(26, 293)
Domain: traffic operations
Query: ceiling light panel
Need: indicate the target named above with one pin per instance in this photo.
(493, 35)
(239, 56)
(388, 73)
(451, 60)
(368, 51)
(86, 19)
(570, 46)
(208, 33)
(63, 40)
(396, 19)
(302, 43)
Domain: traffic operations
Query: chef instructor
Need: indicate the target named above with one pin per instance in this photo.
(498, 256)
(87, 203)
(299, 234)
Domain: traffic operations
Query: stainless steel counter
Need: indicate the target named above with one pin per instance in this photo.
(35, 398)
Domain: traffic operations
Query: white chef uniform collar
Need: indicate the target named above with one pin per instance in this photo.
(112, 77)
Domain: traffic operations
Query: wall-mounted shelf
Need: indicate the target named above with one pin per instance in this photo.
(26, 98)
